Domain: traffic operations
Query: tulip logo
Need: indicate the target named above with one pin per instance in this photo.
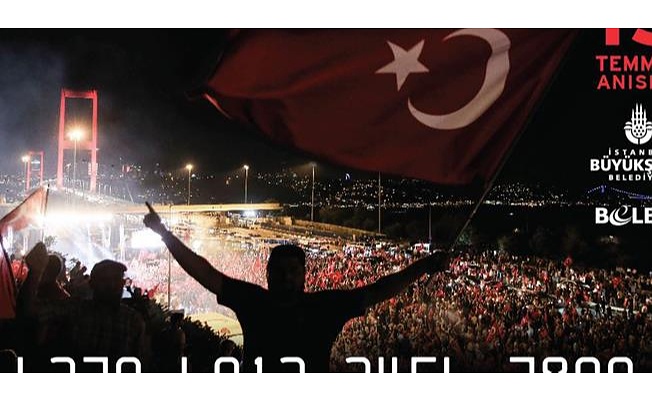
(638, 130)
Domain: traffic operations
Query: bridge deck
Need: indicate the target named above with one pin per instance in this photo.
(193, 208)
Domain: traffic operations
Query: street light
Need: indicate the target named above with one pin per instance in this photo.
(246, 168)
(26, 159)
(312, 197)
(189, 167)
(380, 206)
(75, 135)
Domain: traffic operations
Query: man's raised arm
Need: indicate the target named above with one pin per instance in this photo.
(391, 285)
(196, 266)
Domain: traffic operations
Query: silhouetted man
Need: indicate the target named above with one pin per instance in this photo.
(284, 321)
(102, 326)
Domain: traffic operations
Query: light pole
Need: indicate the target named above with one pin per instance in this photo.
(379, 203)
(25, 159)
(246, 168)
(312, 196)
(75, 135)
(189, 167)
(430, 223)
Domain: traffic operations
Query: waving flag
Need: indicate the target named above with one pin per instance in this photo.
(7, 287)
(439, 105)
(27, 213)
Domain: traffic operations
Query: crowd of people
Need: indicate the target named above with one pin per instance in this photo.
(149, 270)
(68, 310)
(488, 307)
(485, 309)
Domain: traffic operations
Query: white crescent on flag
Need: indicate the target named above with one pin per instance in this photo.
(491, 89)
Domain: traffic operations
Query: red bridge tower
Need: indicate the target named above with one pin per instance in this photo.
(67, 143)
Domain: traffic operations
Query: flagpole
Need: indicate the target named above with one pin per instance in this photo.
(169, 261)
(45, 211)
(430, 222)
(379, 203)
(487, 188)
(477, 205)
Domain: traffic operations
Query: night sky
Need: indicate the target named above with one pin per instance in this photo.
(145, 115)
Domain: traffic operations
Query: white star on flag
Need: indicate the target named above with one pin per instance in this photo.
(405, 63)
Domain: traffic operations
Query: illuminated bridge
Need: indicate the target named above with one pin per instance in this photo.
(66, 199)
(93, 227)
(195, 208)
(133, 208)
(608, 190)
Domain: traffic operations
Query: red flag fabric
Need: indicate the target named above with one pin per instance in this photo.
(19, 218)
(440, 105)
(27, 213)
(7, 287)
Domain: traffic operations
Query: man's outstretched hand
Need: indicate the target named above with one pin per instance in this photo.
(153, 221)
(437, 262)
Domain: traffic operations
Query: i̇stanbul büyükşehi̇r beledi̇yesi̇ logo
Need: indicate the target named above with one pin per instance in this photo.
(638, 131)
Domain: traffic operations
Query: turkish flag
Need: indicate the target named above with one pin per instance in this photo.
(19, 218)
(27, 213)
(440, 105)
(7, 287)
